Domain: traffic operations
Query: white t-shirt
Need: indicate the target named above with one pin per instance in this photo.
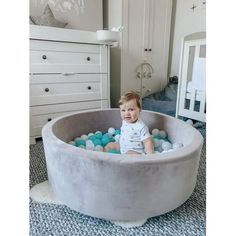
(132, 136)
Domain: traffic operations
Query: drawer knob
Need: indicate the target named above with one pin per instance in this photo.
(49, 119)
(89, 87)
(46, 89)
(44, 57)
(145, 49)
(149, 49)
(88, 58)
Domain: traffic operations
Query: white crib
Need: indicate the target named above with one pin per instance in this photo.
(191, 99)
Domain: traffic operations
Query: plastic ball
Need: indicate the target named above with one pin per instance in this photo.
(90, 134)
(162, 134)
(166, 146)
(72, 143)
(159, 149)
(111, 131)
(92, 137)
(112, 139)
(189, 121)
(169, 150)
(79, 141)
(161, 141)
(155, 132)
(177, 145)
(105, 139)
(89, 145)
(156, 137)
(157, 142)
(98, 132)
(97, 142)
(98, 148)
(117, 138)
(117, 131)
(84, 136)
(98, 135)
(81, 146)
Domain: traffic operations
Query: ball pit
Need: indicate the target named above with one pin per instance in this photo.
(120, 187)
(160, 140)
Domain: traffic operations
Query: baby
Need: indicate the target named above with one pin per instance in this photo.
(135, 137)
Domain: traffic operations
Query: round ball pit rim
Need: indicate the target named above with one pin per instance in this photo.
(175, 155)
(139, 176)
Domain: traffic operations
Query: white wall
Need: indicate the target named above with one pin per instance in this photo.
(186, 22)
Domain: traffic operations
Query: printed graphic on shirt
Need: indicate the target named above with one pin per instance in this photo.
(132, 136)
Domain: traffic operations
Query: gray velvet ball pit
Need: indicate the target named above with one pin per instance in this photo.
(114, 186)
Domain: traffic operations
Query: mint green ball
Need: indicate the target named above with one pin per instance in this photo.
(105, 139)
(98, 135)
(92, 137)
(117, 131)
(97, 142)
(79, 142)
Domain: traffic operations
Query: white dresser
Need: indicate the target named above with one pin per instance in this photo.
(69, 72)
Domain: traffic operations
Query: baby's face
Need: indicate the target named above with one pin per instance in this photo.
(130, 111)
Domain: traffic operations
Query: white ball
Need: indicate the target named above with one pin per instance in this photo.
(98, 132)
(177, 145)
(117, 138)
(89, 145)
(166, 146)
(90, 134)
(161, 141)
(77, 138)
(88, 142)
(155, 132)
(189, 121)
(111, 131)
(84, 136)
(98, 148)
(167, 150)
(162, 134)
(72, 143)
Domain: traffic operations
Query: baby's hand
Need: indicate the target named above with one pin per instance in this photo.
(149, 146)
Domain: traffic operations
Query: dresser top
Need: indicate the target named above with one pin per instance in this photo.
(62, 34)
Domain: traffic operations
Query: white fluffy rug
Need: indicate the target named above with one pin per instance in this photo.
(43, 193)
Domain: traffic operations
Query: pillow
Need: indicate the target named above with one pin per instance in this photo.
(47, 19)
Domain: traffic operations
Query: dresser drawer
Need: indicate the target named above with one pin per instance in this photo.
(40, 115)
(52, 89)
(60, 57)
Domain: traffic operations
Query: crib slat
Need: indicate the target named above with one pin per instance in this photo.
(202, 103)
(192, 100)
(183, 81)
(197, 50)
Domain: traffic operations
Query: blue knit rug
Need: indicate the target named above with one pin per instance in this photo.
(49, 219)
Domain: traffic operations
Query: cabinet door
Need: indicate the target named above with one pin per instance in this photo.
(132, 43)
(145, 40)
(158, 25)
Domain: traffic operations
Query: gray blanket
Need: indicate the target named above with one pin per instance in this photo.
(163, 102)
